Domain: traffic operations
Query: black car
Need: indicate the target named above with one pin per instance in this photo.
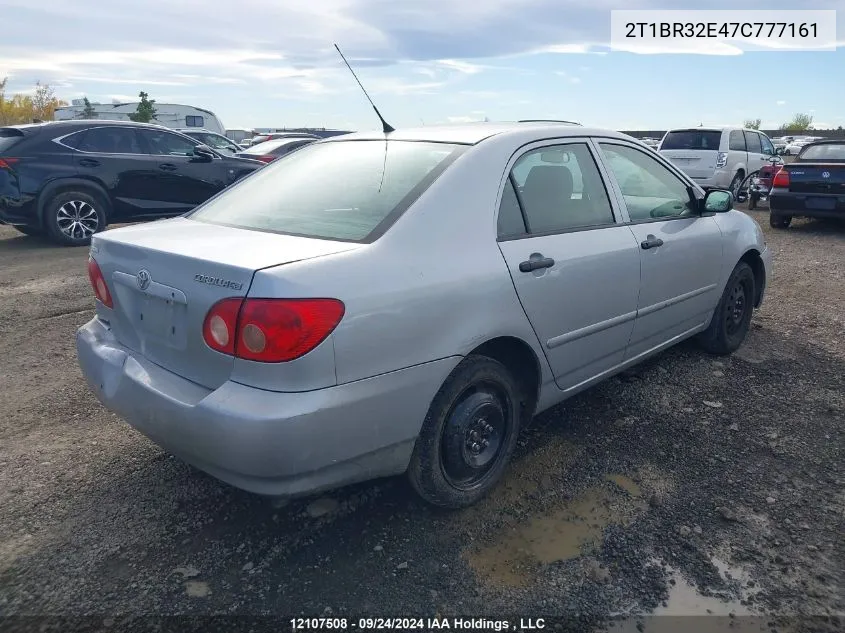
(811, 186)
(269, 151)
(69, 179)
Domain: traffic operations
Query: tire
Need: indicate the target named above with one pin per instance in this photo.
(732, 318)
(786, 152)
(752, 202)
(72, 217)
(446, 470)
(736, 184)
(33, 231)
(779, 221)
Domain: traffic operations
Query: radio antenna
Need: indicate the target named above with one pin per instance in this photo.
(386, 127)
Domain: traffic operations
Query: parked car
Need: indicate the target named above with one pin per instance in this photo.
(70, 179)
(379, 304)
(269, 151)
(811, 186)
(717, 157)
(798, 143)
(261, 138)
(215, 141)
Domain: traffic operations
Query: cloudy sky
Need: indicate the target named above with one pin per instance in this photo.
(271, 62)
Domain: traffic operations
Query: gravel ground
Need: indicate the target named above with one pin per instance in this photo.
(689, 485)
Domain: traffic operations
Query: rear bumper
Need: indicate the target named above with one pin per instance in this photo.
(721, 179)
(279, 444)
(806, 204)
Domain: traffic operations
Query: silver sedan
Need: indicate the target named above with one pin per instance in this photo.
(377, 304)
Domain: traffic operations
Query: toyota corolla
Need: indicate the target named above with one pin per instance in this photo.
(378, 304)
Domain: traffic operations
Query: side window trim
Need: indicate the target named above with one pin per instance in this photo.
(615, 209)
(617, 190)
(58, 140)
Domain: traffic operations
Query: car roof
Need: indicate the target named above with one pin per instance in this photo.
(83, 123)
(473, 133)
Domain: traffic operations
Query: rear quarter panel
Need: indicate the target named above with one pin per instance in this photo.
(434, 286)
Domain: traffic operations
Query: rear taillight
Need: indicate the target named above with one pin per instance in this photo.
(268, 158)
(221, 324)
(270, 330)
(781, 178)
(6, 163)
(98, 283)
(722, 159)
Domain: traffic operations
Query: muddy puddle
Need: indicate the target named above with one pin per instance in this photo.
(562, 530)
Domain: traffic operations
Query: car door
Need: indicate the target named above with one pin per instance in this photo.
(184, 180)
(756, 157)
(680, 251)
(112, 155)
(737, 152)
(574, 264)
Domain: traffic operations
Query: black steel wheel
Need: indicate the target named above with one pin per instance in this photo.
(468, 435)
(731, 320)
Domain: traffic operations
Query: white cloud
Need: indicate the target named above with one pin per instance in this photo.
(781, 103)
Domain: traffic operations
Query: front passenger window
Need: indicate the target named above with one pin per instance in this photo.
(650, 190)
(163, 143)
(560, 189)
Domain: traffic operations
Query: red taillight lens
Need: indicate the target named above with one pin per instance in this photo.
(221, 324)
(270, 330)
(277, 330)
(781, 178)
(6, 163)
(266, 159)
(98, 283)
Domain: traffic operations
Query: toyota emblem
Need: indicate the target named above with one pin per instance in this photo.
(825, 174)
(144, 279)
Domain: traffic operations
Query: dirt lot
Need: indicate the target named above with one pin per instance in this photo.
(689, 485)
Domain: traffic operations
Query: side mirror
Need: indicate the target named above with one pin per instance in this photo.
(203, 154)
(717, 201)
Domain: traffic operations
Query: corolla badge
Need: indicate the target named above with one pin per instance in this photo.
(825, 174)
(143, 279)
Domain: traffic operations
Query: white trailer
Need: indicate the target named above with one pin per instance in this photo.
(172, 115)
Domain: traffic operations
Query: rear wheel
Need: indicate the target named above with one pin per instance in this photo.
(72, 217)
(779, 221)
(468, 434)
(732, 319)
(736, 185)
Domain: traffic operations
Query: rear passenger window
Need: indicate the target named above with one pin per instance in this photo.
(510, 223)
(110, 140)
(736, 142)
(560, 189)
(752, 139)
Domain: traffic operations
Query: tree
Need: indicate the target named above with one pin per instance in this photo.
(145, 112)
(801, 122)
(88, 111)
(752, 124)
(44, 102)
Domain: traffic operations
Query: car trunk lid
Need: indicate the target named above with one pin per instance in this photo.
(165, 276)
(816, 178)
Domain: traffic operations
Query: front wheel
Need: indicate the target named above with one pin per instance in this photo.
(72, 217)
(779, 221)
(468, 435)
(731, 320)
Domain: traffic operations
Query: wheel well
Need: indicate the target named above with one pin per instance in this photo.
(53, 189)
(520, 359)
(752, 258)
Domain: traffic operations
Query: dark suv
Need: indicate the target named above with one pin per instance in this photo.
(69, 179)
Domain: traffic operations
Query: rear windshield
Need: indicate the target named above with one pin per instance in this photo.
(340, 190)
(8, 138)
(692, 139)
(269, 146)
(826, 151)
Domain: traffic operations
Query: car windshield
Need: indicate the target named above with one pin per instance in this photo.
(824, 151)
(692, 139)
(342, 190)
